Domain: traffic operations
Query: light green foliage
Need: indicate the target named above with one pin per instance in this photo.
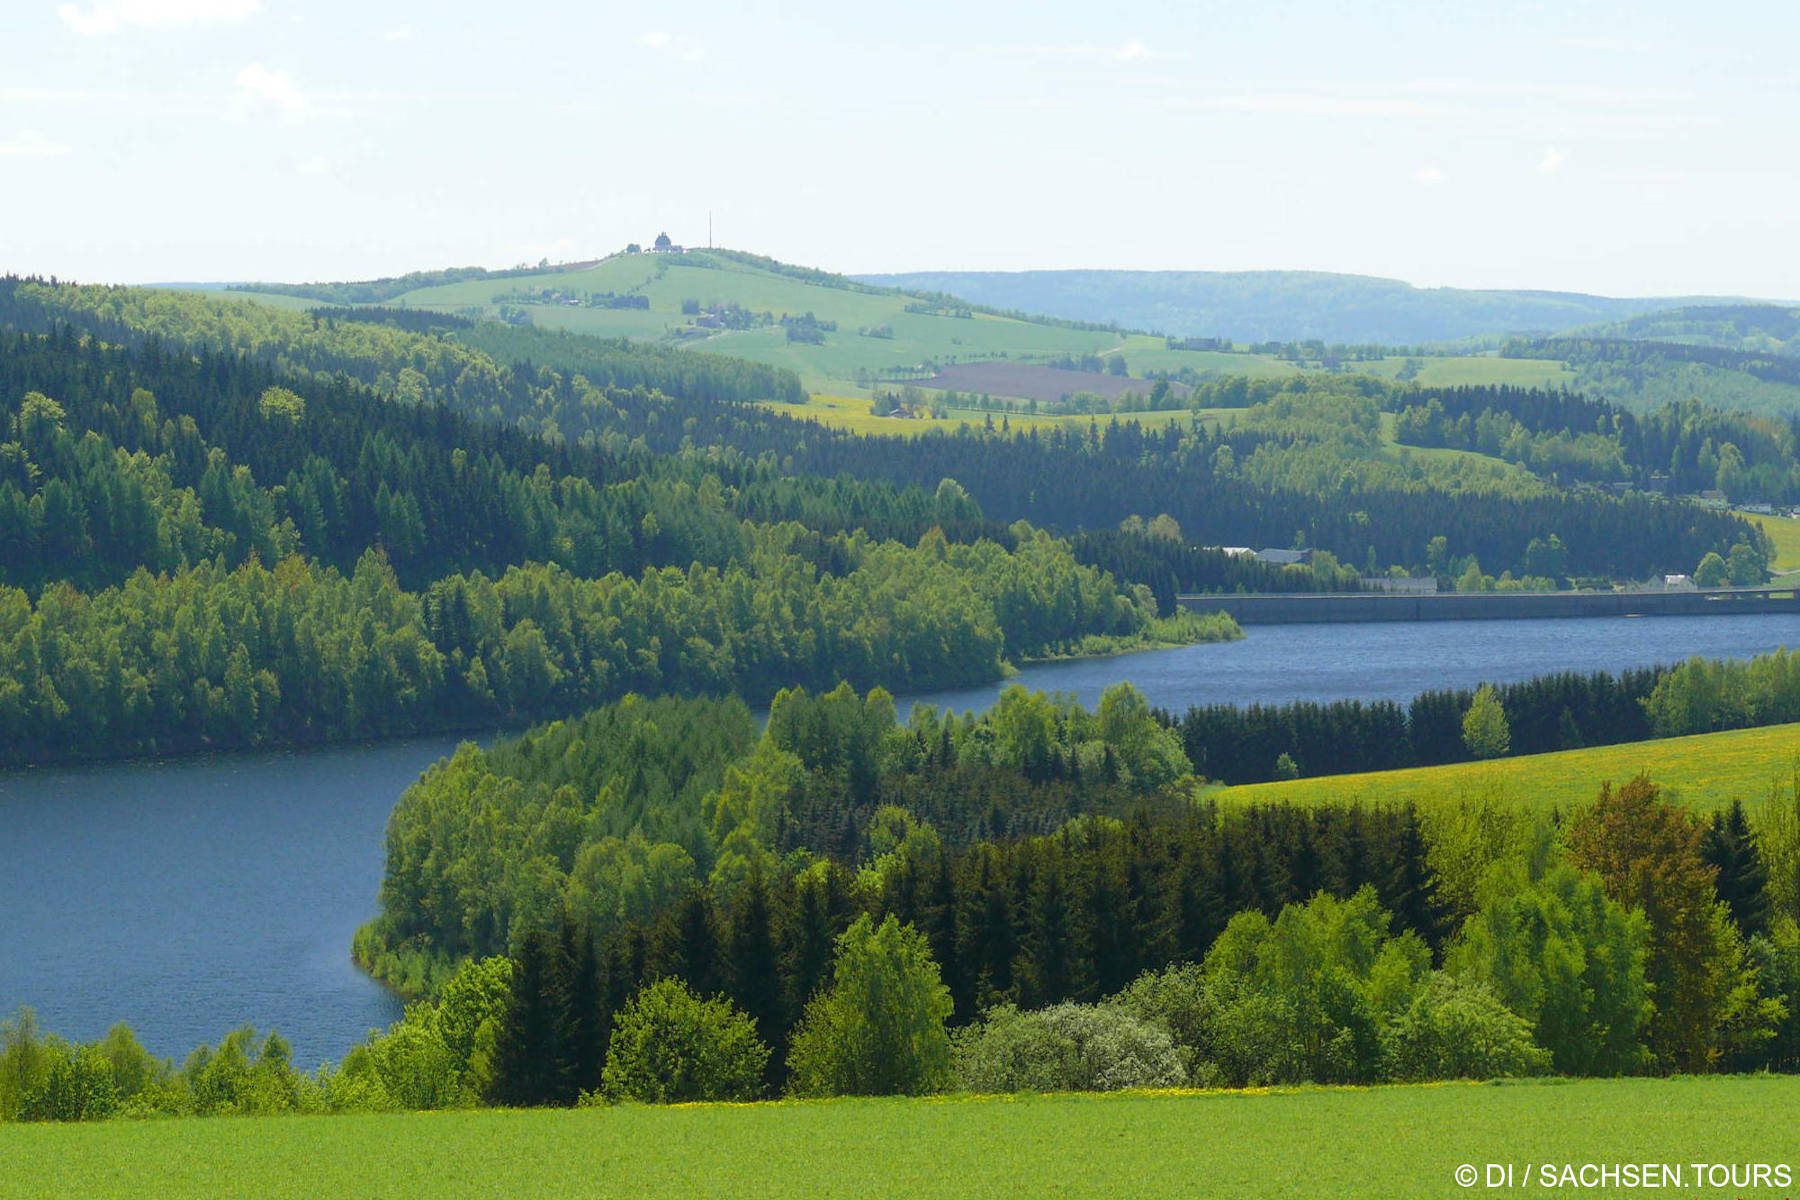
(246, 1078)
(281, 404)
(1307, 996)
(432, 1057)
(878, 1030)
(1778, 839)
(616, 881)
(670, 1047)
(1566, 958)
(1701, 695)
(1460, 1030)
(1041, 736)
(1064, 1048)
(1149, 756)
(1711, 571)
(1776, 956)
(1484, 727)
(408, 1067)
(44, 1078)
(603, 814)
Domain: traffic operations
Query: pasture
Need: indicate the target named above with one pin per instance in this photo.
(1705, 772)
(1343, 1143)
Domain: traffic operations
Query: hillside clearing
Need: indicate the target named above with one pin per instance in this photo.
(1343, 1143)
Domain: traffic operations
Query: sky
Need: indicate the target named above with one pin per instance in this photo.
(1626, 149)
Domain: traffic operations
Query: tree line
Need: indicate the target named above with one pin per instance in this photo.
(216, 657)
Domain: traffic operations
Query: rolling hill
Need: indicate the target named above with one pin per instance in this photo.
(848, 338)
(841, 335)
(1280, 305)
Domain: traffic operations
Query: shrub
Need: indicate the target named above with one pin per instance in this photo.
(1066, 1048)
(669, 1046)
(1460, 1030)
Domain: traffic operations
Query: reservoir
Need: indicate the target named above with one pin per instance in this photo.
(193, 896)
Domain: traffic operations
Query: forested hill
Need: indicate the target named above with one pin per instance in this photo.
(1299, 466)
(1756, 329)
(204, 549)
(1279, 305)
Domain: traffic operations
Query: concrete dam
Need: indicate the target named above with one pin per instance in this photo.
(1306, 608)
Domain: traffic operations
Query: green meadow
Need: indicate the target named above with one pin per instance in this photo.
(1345, 1144)
(1785, 533)
(1706, 772)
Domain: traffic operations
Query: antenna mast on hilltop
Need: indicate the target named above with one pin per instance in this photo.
(709, 229)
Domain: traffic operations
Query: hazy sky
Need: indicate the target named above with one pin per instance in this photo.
(1640, 148)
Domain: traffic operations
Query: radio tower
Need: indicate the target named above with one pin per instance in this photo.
(709, 229)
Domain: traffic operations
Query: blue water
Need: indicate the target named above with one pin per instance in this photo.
(193, 896)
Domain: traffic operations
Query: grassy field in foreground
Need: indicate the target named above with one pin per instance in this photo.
(1345, 1144)
(1705, 772)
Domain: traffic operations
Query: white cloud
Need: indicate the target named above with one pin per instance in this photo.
(110, 16)
(318, 164)
(1552, 161)
(399, 33)
(259, 88)
(663, 42)
(1430, 176)
(30, 141)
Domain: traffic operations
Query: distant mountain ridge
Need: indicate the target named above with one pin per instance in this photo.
(1284, 305)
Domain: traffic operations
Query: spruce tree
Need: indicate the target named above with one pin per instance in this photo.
(1743, 879)
(529, 1063)
(585, 1024)
(753, 965)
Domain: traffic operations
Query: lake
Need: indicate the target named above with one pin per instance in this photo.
(193, 896)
